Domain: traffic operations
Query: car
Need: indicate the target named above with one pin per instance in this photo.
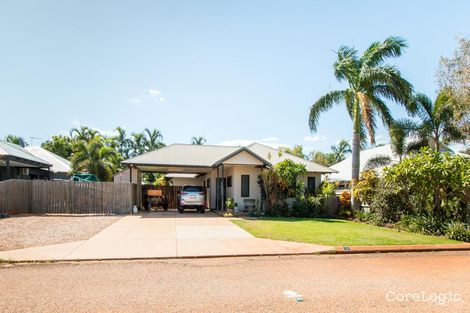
(192, 197)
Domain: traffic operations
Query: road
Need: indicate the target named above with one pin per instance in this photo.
(328, 283)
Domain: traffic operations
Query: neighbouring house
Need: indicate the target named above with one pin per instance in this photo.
(226, 171)
(18, 163)
(60, 169)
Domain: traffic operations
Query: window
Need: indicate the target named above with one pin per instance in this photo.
(311, 184)
(208, 183)
(245, 186)
(193, 189)
(229, 181)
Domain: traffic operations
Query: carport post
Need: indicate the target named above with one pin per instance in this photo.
(222, 190)
(8, 167)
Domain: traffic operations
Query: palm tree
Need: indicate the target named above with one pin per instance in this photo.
(153, 139)
(83, 133)
(122, 142)
(17, 140)
(340, 150)
(94, 157)
(370, 83)
(437, 122)
(138, 144)
(198, 140)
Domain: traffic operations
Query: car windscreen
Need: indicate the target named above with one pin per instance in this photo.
(192, 189)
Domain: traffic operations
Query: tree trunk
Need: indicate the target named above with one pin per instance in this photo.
(356, 149)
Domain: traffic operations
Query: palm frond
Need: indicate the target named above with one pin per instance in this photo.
(377, 52)
(377, 162)
(324, 104)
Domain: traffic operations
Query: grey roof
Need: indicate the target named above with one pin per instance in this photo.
(59, 164)
(8, 149)
(210, 155)
(184, 155)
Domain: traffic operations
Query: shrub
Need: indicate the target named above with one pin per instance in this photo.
(457, 231)
(290, 173)
(423, 224)
(387, 205)
(345, 199)
(367, 186)
(310, 206)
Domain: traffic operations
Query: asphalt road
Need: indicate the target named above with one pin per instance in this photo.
(407, 282)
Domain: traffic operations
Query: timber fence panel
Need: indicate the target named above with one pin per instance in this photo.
(66, 197)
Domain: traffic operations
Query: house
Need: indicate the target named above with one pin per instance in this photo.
(226, 171)
(60, 169)
(17, 162)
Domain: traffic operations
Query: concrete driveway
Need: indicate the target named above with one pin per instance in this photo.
(165, 235)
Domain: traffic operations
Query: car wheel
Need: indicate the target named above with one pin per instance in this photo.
(202, 210)
(180, 210)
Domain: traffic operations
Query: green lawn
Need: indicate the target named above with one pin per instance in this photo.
(333, 232)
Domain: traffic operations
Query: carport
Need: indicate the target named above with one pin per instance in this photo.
(209, 165)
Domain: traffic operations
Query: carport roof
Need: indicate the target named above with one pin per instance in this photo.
(184, 155)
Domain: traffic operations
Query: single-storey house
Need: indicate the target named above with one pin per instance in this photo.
(226, 171)
(16, 162)
(60, 167)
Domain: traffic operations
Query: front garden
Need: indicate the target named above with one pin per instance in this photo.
(424, 199)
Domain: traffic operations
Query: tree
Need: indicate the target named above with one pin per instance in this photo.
(340, 150)
(83, 133)
(122, 143)
(322, 158)
(94, 157)
(138, 144)
(17, 140)
(152, 139)
(436, 125)
(370, 83)
(198, 140)
(453, 75)
(297, 151)
(60, 145)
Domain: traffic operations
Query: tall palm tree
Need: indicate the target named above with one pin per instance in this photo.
(94, 157)
(153, 139)
(122, 142)
(370, 83)
(198, 140)
(437, 122)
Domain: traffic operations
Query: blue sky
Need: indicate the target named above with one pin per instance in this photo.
(231, 71)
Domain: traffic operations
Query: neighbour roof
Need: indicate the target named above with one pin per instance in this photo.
(275, 157)
(344, 167)
(59, 164)
(8, 149)
(188, 155)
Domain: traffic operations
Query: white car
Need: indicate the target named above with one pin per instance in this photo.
(192, 197)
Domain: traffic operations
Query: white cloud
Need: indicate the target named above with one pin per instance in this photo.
(315, 138)
(154, 92)
(152, 95)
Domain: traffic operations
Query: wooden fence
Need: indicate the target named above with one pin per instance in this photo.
(65, 197)
(170, 192)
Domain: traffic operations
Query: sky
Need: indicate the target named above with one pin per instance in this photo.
(230, 71)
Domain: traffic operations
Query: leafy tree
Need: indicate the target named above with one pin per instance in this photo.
(297, 151)
(290, 173)
(94, 157)
(60, 145)
(198, 140)
(433, 183)
(122, 143)
(453, 77)
(138, 144)
(322, 158)
(17, 140)
(370, 82)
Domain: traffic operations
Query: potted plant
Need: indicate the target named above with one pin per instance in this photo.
(230, 204)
